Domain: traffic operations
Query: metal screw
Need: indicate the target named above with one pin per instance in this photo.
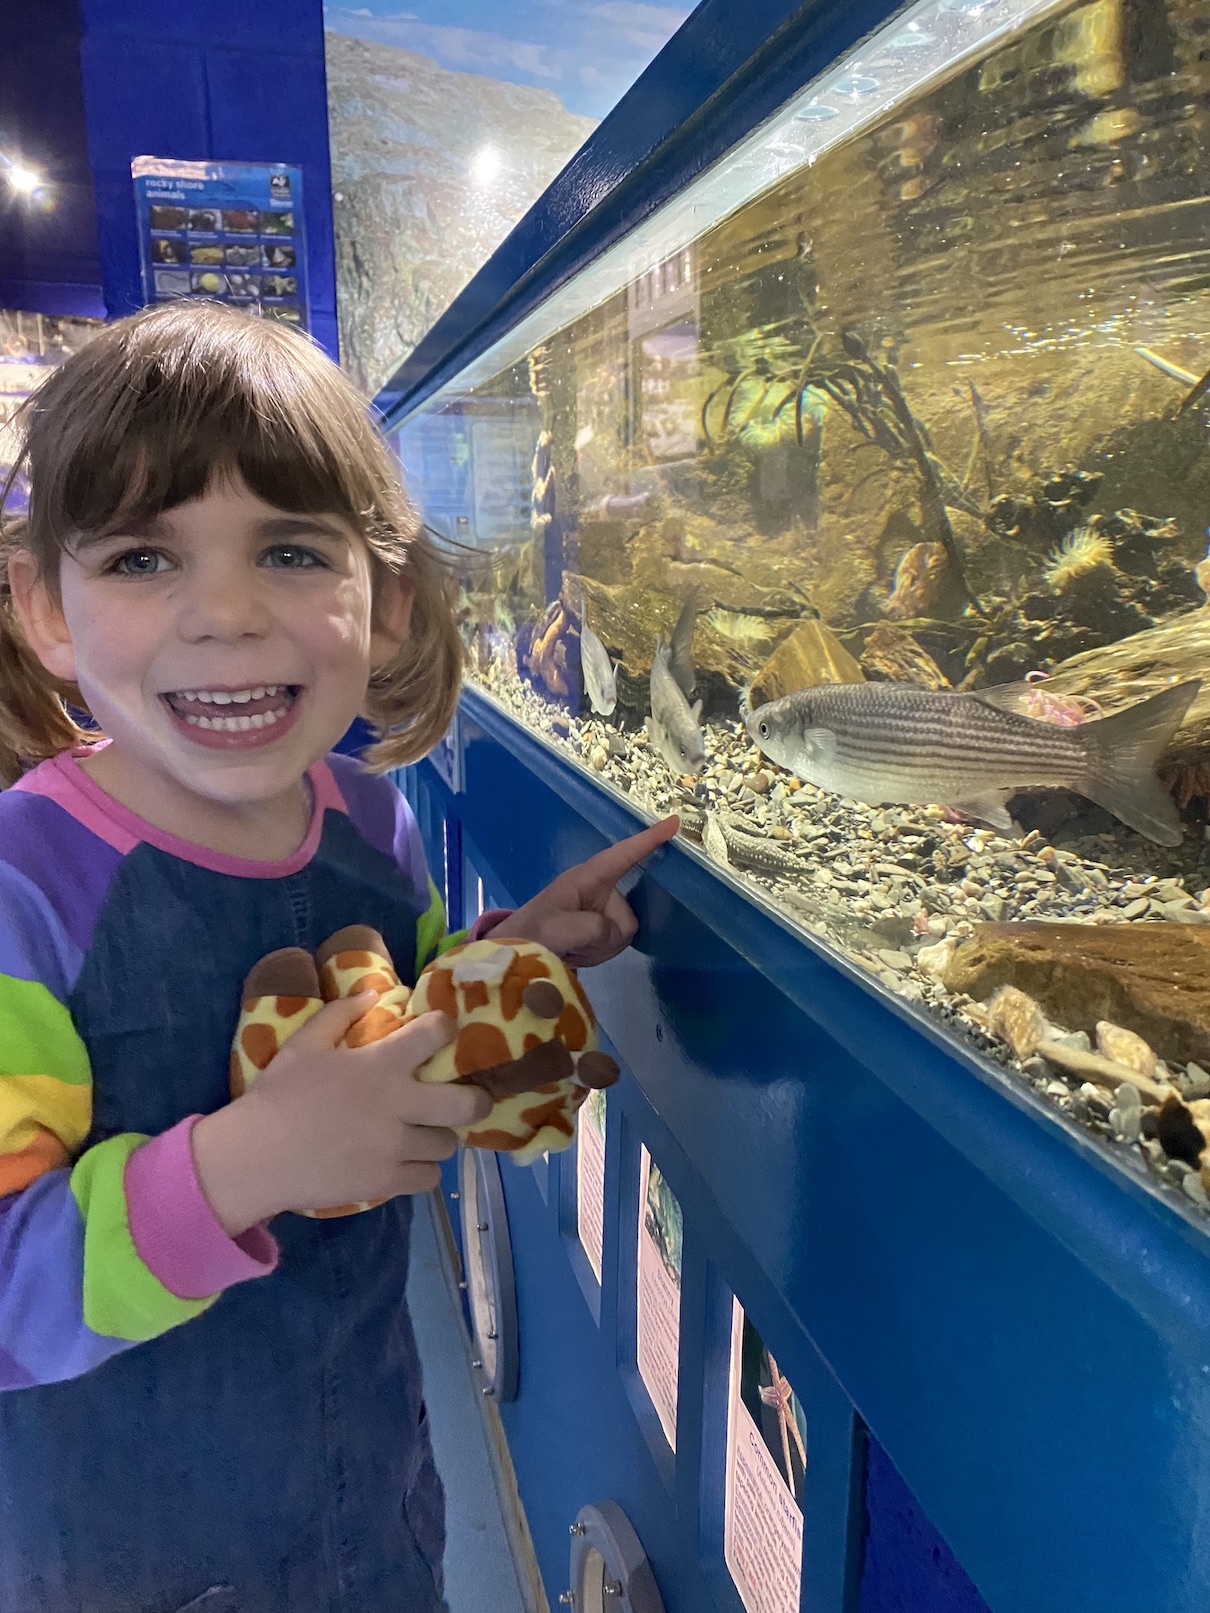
(455, 1195)
(611, 1589)
(464, 1285)
(576, 1529)
(568, 1598)
(480, 1226)
(488, 1390)
(477, 1365)
(492, 1334)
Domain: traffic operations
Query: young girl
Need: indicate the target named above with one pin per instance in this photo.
(220, 566)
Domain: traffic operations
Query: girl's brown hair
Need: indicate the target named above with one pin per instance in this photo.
(144, 418)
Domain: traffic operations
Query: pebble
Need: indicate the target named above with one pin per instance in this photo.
(893, 959)
(900, 875)
(1193, 1189)
(935, 960)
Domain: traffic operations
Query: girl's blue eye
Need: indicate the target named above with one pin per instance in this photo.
(138, 563)
(289, 557)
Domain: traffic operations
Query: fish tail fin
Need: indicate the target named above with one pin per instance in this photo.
(1122, 754)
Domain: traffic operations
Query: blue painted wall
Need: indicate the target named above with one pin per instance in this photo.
(206, 79)
(48, 257)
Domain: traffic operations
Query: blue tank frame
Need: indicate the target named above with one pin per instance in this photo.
(1002, 1340)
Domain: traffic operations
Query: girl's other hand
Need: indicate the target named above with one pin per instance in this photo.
(581, 916)
(326, 1124)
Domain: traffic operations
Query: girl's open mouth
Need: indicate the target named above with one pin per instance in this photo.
(234, 718)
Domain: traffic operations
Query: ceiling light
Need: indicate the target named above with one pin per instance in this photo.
(23, 180)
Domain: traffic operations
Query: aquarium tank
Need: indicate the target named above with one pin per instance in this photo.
(854, 507)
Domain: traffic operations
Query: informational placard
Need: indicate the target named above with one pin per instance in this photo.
(766, 1469)
(661, 1231)
(228, 231)
(590, 1178)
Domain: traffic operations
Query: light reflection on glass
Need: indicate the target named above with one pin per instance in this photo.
(856, 84)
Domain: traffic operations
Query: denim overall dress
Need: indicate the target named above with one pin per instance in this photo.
(271, 1455)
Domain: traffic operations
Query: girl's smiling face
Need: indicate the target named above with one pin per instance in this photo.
(223, 646)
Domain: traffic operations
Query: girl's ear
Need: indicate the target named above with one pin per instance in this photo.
(393, 598)
(41, 617)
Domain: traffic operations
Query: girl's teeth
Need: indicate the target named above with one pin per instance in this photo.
(224, 697)
(238, 725)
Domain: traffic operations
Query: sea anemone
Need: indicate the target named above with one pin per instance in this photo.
(1080, 552)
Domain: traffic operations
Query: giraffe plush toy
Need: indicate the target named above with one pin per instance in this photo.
(526, 1033)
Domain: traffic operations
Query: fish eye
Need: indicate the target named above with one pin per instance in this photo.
(763, 729)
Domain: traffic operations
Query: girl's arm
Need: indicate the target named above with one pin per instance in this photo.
(99, 1249)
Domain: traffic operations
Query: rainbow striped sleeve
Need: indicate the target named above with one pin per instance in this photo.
(101, 1248)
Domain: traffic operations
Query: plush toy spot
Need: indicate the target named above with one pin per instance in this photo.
(287, 1007)
(354, 960)
(501, 1142)
(474, 995)
(550, 1113)
(479, 1047)
(441, 992)
(571, 1029)
(372, 1027)
(524, 968)
(260, 1043)
(375, 981)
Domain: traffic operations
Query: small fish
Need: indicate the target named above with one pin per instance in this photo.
(674, 725)
(600, 679)
(680, 660)
(1165, 366)
(883, 742)
(621, 506)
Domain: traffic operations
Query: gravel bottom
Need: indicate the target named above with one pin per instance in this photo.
(883, 885)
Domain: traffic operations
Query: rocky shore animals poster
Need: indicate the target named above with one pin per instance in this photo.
(446, 123)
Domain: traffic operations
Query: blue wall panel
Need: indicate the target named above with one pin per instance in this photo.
(222, 80)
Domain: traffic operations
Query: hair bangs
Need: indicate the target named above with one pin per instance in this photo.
(169, 420)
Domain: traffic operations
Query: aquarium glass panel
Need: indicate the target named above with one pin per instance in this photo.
(855, 508)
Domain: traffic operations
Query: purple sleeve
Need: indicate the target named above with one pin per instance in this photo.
(381, 814)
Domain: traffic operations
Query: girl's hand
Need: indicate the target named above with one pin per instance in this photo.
(581, 916)
(326, 1124)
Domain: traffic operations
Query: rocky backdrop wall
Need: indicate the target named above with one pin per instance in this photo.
(419, 207)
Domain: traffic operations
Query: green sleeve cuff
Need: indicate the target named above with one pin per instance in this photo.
(122, 1299)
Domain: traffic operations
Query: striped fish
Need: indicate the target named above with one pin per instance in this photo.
(884, 742)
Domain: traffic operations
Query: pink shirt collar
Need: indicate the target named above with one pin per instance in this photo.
(63, 780)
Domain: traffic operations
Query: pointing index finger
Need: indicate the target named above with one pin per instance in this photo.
(608, 866)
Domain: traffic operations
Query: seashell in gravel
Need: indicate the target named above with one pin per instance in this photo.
(1016, 1017)
(1125, 1047)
